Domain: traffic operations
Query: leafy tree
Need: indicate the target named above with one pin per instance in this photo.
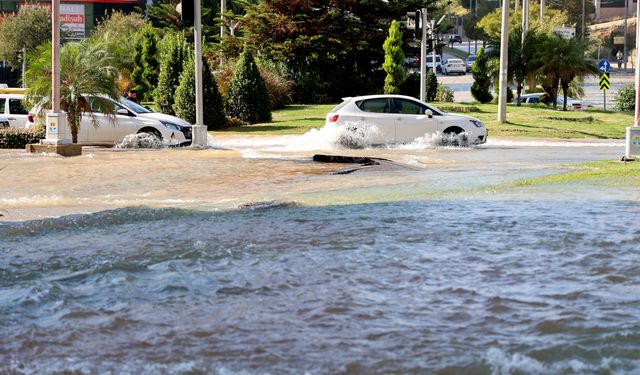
(480, 89)
(491, 23)
(115, 33)
(393, 60)
(27, 29)
(85, 69)
(185, 107)
(331, 48)
(432, 86)
(177, 51)
(247, 98)
(145, 73)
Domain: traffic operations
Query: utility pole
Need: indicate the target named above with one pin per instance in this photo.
(223, 9)
(24, 67)
(423, 55)
(626, 15)
(525, 18)
(583, 11)
(541, 13)
(199, 130)
(632, 147)
(433, 47)
(504, 52)
(58, 132)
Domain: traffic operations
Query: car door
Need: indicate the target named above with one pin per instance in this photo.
(17, 113)
(411, 120)
(109, 130)
(377, 120)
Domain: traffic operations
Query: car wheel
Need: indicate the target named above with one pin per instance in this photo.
(454, 136)
(149, 138)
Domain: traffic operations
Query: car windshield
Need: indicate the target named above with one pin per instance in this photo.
(471, 58)
(137, 108)
(336, 108)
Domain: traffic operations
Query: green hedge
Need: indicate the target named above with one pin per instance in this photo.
(19, 138)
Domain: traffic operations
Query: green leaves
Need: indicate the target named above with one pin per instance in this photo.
(247, 98)
(393, 60)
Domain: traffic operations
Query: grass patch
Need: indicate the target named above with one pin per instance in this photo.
(613, 173)
(524, 121)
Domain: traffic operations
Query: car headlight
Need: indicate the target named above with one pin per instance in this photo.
(171, 125)
(477, 123)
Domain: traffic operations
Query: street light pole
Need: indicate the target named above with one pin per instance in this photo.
(57, 129)
(199, 130)
(504, 51)
(632, 144)
(223, 9)
(626, 15)
(423, 55)
(541, 12)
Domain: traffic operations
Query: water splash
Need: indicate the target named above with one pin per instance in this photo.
(141, 140)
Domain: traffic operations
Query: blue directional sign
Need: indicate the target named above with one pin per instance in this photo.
(604, 66)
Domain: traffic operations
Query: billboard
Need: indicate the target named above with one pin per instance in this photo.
(72, 20)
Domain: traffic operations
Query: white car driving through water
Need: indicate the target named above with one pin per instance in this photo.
(387, 119)
(130, 118)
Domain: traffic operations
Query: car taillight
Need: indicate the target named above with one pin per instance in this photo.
(30, 117)
(333, 118)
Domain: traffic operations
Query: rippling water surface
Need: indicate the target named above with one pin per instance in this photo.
(477, 287)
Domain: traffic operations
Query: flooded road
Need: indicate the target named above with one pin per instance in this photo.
(251, 259)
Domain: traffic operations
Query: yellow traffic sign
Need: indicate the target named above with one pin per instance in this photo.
(604, 81)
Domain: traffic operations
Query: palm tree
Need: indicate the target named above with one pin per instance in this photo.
(577, 65)
(85, 70)
(523, 57)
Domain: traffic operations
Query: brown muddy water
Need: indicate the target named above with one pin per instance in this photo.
(249, 258)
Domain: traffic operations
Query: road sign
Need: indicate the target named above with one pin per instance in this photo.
(604, 66)
(604, 81)
(565, 32)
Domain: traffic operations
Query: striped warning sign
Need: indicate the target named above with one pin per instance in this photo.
(604, 81)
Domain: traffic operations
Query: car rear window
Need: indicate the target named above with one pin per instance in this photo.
(378, 105)
(337, 108)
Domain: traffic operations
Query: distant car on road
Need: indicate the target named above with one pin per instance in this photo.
(455, 38)
(470, 60)
(385, 119)
(540, 97)
(452, 66)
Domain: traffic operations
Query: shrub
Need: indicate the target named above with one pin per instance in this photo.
(482, 79)
(444, 94)
(185, 107)
(432, 86)
(145, 73)
(19, 138)
(496, 90)
(625, 98)
(247, 97)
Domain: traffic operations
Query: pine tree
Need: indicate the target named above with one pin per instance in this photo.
(170, 71)
(185, 99)
(247, 98)
(480, 89)
(393, 60)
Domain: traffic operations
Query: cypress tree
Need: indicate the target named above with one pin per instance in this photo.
(247, 98)
(145, 73)
(480, 89)
(393, 60)
(185, 99)
(432, 86)
(170, 71)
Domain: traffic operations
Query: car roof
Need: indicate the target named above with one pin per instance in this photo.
(378, 96)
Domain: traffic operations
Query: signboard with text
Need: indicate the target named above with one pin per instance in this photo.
(565, 32)
(72, 20)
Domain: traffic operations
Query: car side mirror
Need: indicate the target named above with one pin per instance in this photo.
(122, 111)
(429, 113)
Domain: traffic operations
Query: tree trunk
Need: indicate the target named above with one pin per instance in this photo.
(565, 87)
(519, 91)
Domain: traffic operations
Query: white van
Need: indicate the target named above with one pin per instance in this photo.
(12, 107)
(438, 63)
